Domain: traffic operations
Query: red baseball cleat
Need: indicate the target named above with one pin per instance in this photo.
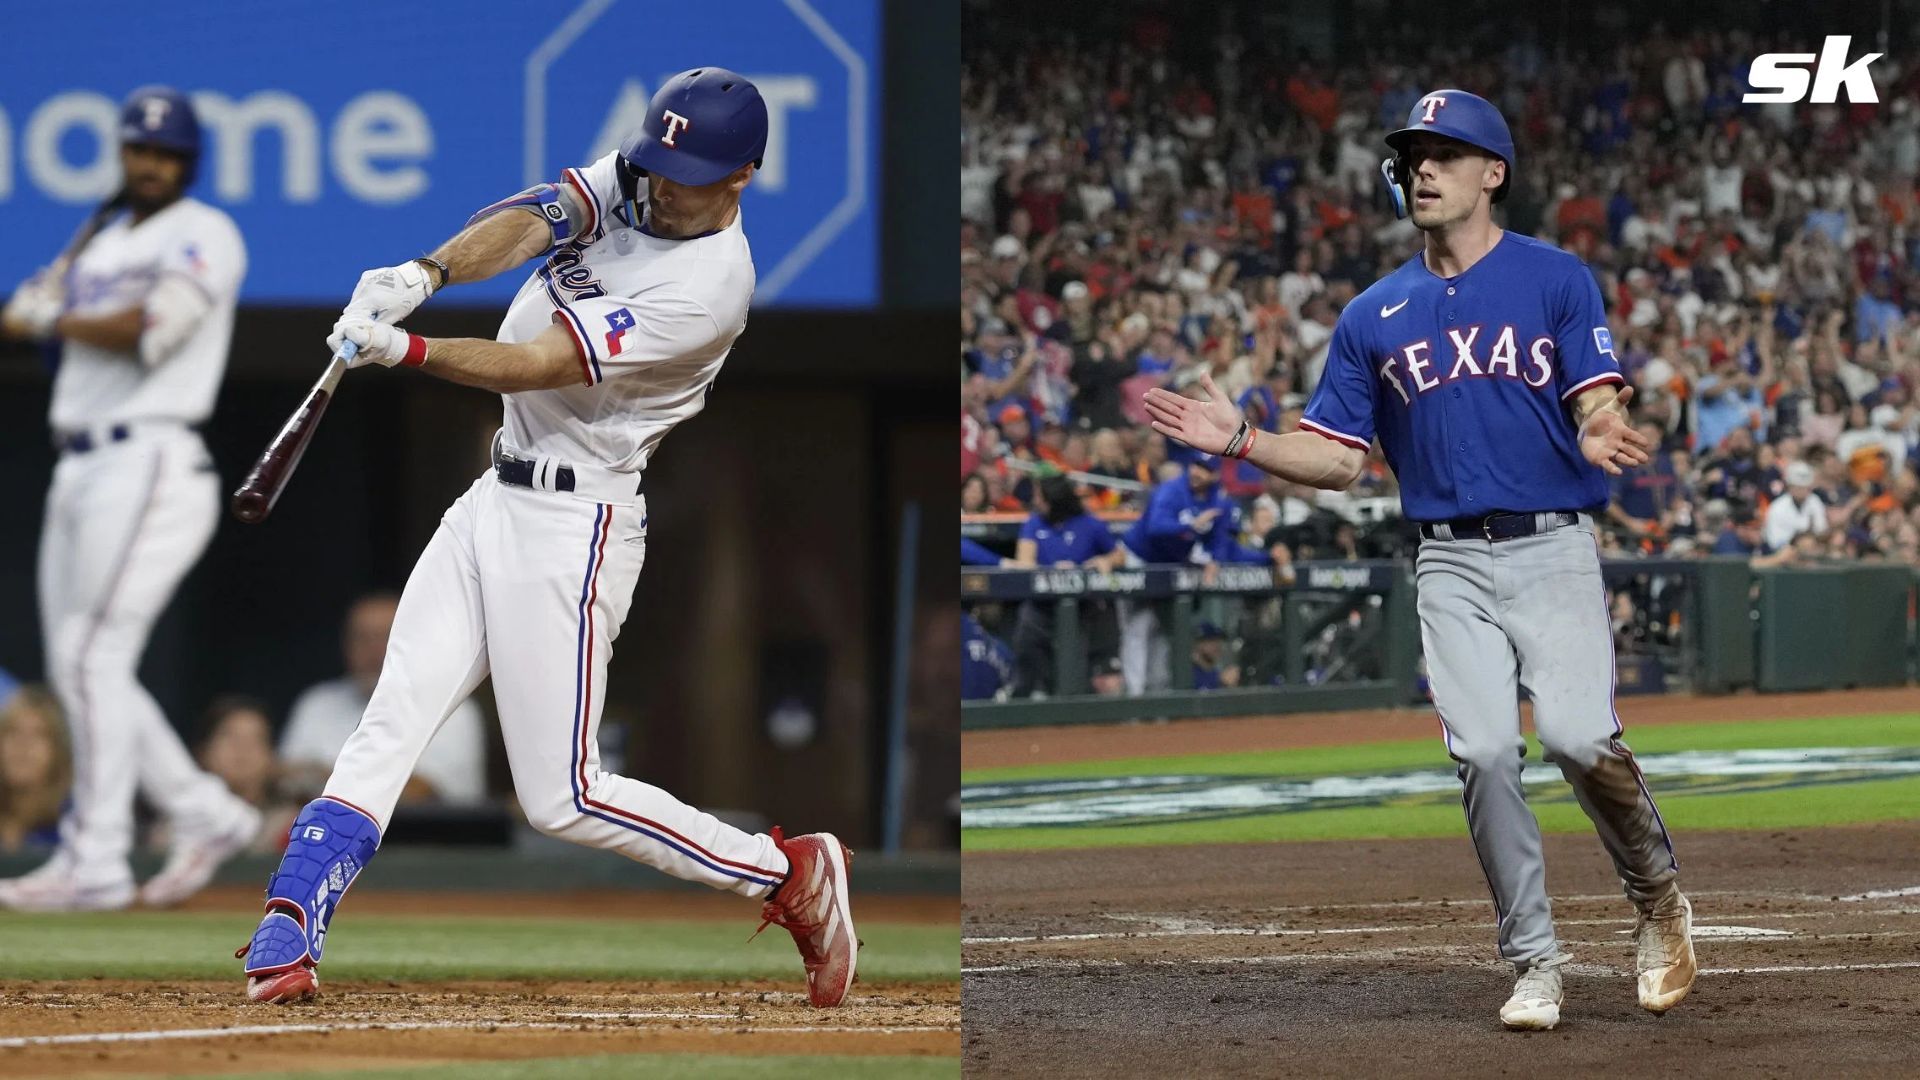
(812, 905)
(284, 987)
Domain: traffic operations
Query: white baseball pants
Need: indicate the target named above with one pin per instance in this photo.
(532, 587)
(124, 523)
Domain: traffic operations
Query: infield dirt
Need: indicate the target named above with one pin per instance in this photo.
(1377, 958)
(118, 1027)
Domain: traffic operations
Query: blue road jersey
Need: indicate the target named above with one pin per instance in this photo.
(975, 553)
(1165, 532)
(1467, 381)
(986, 663)
(1073, 541)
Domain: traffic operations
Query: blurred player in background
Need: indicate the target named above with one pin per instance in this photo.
(140, 307)
(616, 338)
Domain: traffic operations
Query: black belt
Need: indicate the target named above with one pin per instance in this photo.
(519, 473)
(82, 441)
(1497, 526)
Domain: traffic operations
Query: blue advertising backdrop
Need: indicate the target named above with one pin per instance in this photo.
(357, 133)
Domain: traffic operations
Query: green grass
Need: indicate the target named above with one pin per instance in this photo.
(174, 945)
(654, 1067)
(1887, 729)
(1795, 807)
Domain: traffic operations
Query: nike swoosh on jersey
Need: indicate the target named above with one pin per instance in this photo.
(1387, 312)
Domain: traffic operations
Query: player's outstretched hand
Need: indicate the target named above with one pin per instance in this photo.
(1608, 440)
(387, 295)
(379, 343)
(1206, 426)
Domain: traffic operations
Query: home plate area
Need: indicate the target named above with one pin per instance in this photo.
(1379, 958)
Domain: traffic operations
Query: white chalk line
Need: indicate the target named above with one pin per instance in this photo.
(1881, 894)
(1175, 926)
(94, 1037)
(1601, 970)
(1701, 929)
(648, 1016)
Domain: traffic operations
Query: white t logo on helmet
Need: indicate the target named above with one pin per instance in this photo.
(156, 111)
(675, 125)
(1433, 102)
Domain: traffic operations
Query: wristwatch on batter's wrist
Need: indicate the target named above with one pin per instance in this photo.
(446, 275)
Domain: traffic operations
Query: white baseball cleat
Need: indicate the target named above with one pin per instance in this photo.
(52, 887)
(194, 858)
(1535, 1004)
(1663, 955)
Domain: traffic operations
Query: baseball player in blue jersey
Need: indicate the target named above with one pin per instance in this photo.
(1485, 368)
(1188, 519)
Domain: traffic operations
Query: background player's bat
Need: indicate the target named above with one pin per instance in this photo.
(255, 498)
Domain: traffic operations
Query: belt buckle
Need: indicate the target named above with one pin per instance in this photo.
(1486, 528)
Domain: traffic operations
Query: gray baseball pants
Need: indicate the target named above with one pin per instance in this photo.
(1530, 614)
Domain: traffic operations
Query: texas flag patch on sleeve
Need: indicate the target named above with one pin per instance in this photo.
(618, 324)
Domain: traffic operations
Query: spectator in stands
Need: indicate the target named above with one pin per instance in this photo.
(36, 770)
(237, 747)
(973, 495)
(1872, 446)
(1797, 511)
(1643, 495)
(452, 771)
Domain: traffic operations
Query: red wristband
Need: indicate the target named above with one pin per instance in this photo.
(1252, 433)
(416, 351)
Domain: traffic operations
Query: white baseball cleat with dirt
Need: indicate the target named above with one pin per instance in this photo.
(1535, 1004)
(1663, 954)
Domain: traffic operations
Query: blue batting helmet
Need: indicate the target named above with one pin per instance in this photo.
(162, 116)
(1456, 114)
(702, 125)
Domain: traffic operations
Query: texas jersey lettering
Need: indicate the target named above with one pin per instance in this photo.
(1470, 366)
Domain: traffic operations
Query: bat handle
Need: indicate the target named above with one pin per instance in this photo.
(338, 366)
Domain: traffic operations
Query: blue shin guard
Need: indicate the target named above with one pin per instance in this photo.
(328, 846)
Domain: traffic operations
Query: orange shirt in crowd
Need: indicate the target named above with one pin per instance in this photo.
(1255, 207)
(1317, 100)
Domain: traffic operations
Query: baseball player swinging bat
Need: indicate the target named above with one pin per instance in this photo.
(254, 498)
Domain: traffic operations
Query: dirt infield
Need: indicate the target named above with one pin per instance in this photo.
(1367, 958)
(60, 1029)
(105, 1027)
(1107, 742)
(1377, 958)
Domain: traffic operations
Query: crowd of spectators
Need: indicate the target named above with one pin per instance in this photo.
(1178, 198)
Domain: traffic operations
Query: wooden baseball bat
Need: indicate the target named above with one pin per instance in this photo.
(255, 497)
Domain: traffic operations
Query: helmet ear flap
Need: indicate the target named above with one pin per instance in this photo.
(1394, 170)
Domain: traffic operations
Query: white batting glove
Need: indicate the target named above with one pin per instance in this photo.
(386, 295)
(380, 344)
(34, 307)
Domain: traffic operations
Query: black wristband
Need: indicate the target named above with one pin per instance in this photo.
(1239, 439)
(446, 275)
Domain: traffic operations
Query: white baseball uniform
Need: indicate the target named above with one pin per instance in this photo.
(133, 504)
(549, 573)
